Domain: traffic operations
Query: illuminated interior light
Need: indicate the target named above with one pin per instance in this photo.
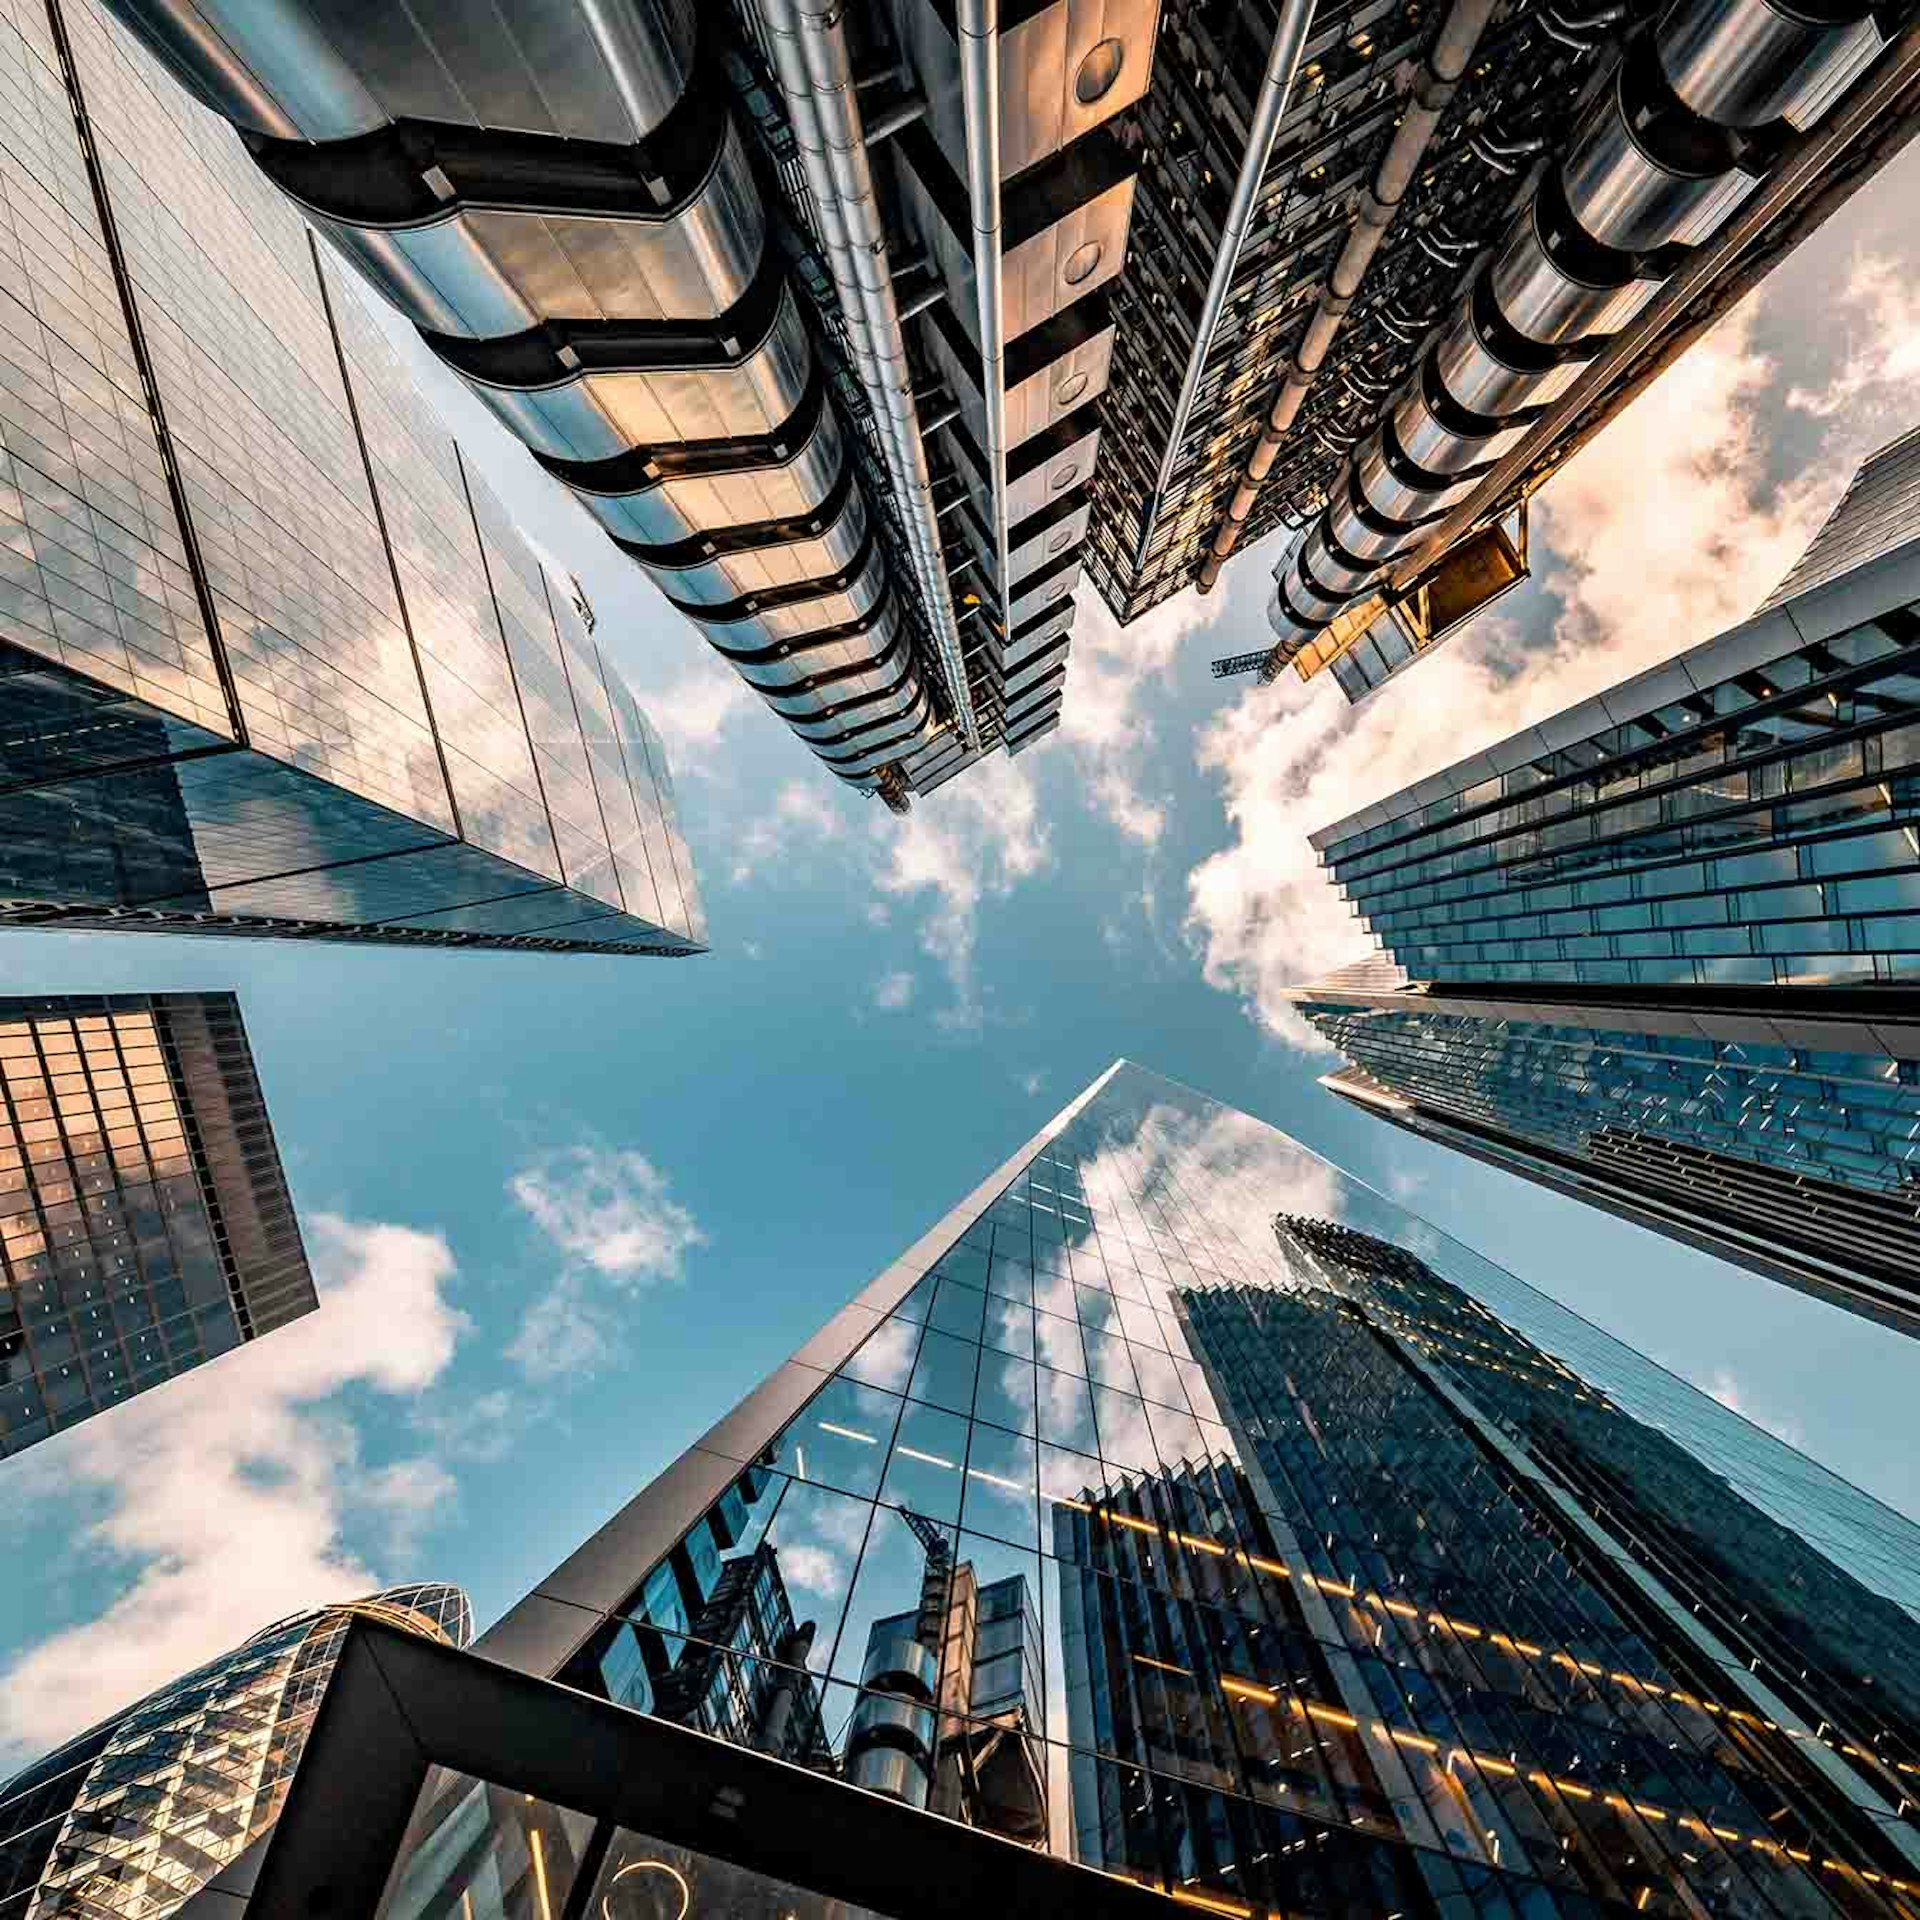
(995, 1479)
(1332, 1715)
(1418, 1741)
(1333, 1586)
(1203, 1546)
(1246, 1690)
(1165, 1666)
(1138, 1526)
(1490, 1764)
(649, 1866)
(537, 1847)
(932, 1459)
(846, 1433)
(1210, 1904)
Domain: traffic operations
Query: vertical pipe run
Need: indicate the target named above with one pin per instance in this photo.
(816, 75)
(979, 26)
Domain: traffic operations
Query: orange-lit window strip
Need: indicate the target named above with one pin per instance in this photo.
(1466, 1630)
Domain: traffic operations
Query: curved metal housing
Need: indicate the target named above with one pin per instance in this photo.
(1697, 109)
(563, 205)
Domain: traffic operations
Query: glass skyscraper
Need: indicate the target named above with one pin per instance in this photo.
(1660, 951)
(1180, 1508)
(145, 1224)
(132, 1817)
(271, 659)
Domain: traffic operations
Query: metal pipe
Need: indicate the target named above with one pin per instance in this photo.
(816, 75)
(1452, 53)
(1276, 89)
(1659, 161)
(978, 22)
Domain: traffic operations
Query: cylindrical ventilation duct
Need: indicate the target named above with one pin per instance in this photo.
(591, 254)
(1699, 106)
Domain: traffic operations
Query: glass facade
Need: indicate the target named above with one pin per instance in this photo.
(1325, 1569)
(145, 1224)
(1649, 951)
(132, 1817)
(273, 660)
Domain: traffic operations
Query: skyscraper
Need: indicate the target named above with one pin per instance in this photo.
(145, 1225)
(1659, 951)
(1566, 207)
(133, 1816)
(271, 659)
(808, 306)
(1334, 1571)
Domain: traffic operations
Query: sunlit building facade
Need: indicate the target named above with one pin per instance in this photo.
(1327, 1569)
(145, 1223)
(272, 660)
(1659, 951)
(134, 1816)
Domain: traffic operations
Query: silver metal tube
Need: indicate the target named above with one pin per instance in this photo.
(1721, 57)
(1276, 88)
(979, 27)
(816, 75)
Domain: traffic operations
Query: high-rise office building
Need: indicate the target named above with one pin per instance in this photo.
(132, 1817)
(145, 1224)
(809, 306)
(1660, 951)
(863, 329)
(1330, 1570)
(271, 659)
(1565, 200)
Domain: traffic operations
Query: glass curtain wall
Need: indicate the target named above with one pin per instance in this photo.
(1323, 1624)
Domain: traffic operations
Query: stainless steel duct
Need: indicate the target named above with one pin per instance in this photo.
(1276, 88)
(1451, 55)
(810, 53)
(1698, 108)
(590, 253)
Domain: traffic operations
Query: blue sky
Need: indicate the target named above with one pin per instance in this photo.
(568, 1210)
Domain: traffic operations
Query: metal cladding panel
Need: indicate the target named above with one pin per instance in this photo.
(1068, 68)
(1073, 256)
(1075, 378)
(1069, 467)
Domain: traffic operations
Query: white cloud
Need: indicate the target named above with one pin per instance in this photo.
(695, 708)
(1878, 320)
(893, 992)
(1660, 533)
(1031, 1083)
(802, 809)
(610, 1212)
(978, 837)
(227, 1493)
(1729, 1392)
(1106, 720)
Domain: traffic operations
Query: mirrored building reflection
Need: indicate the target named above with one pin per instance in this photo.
(133, 1816)
(1660, 952)
(272, 660)
(1181, 1508)
(145, 1223)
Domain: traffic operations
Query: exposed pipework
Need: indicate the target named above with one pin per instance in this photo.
(593, 257)
(816, 74)
(1276, 87)
(1697, 112)
(1451, 55)
(978, 23)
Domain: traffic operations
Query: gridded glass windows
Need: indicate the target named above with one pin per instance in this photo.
(1139, 1531)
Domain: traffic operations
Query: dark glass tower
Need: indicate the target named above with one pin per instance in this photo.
(145, 1224)
(132, 1817)
(271, 660)
(1321, 1571)
(1660, 952)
